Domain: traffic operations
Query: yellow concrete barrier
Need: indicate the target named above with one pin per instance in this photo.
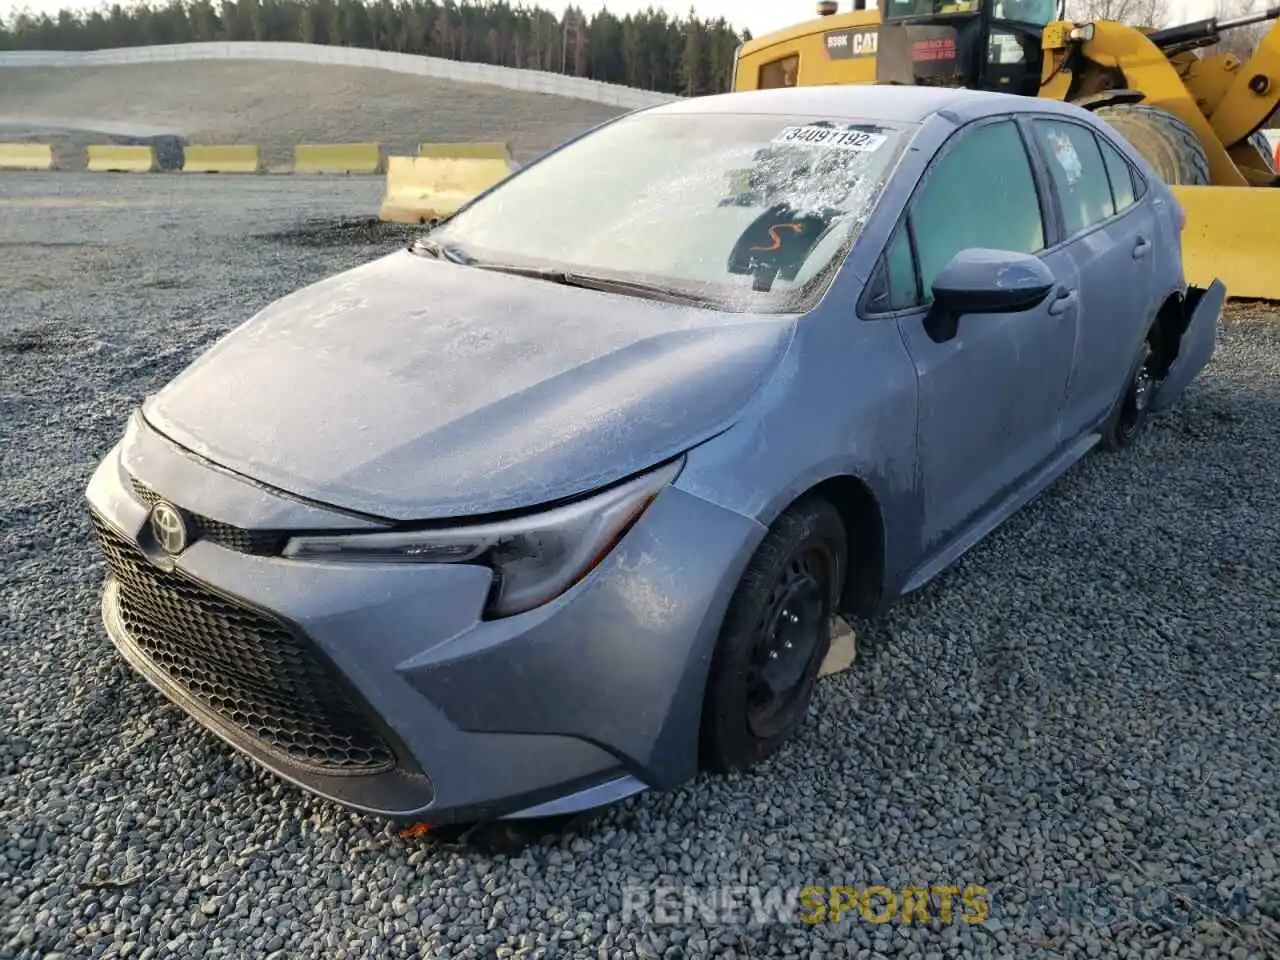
(221, 159)
(113, 159)
(1233, 235)
(465, 151)
(26, 156)
(337, 158)
(430, 188)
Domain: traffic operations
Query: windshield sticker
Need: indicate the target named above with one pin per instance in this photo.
(1065, 153)
(831, 137)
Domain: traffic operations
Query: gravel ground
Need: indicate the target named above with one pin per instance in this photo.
(212, 102)
(1081, 712)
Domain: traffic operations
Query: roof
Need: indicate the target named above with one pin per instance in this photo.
(905, 104)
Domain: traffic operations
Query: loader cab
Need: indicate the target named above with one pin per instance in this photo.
(978, 44)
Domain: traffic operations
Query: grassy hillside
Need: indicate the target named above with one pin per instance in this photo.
(276, 105)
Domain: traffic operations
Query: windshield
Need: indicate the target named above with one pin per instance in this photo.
(753, 213)
(1036, 12)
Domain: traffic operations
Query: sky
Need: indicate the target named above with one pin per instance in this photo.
(758, 16)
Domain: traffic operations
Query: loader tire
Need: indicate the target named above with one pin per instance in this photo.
(1169, 145)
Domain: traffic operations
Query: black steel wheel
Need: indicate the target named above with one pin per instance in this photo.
(1131, 414)
(786, 639)
(775, 636)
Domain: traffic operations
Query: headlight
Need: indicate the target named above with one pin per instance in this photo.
(536, 558)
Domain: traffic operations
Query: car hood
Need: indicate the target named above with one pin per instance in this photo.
(410, 388)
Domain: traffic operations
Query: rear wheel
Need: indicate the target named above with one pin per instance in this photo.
(775, 636)
(1127, 421)
(1169, 145)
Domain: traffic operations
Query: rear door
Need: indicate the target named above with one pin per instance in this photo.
(1110, 233)
(989, 397)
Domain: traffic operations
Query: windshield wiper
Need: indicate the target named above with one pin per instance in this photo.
(587, 281)
(442, 251)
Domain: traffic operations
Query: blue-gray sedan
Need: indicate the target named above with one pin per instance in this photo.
(557, 504)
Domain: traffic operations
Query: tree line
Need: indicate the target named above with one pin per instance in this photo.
(651, 50)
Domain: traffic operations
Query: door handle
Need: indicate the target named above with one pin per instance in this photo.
(1141, 248)
(1064, 301)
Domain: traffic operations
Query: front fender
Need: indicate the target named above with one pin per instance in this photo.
(621, 661)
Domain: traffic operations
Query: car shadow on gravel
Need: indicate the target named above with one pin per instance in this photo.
(344, 232)
(50, 339)
(504, 837)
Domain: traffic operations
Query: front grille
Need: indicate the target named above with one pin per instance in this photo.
(248, 668)
(258, 542)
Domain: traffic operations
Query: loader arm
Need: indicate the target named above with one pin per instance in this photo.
(1115, 49)
(1254, 94)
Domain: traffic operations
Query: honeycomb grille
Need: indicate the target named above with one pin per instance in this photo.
(250, 669)
(258, 542)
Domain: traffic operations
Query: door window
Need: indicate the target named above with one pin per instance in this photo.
(1039, 12)
(980, 193)
(1121, 174)
(1078, 173)
(901, 271)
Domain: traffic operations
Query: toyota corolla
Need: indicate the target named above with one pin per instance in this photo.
(557, 503)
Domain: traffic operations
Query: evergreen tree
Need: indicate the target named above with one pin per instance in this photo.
(650, 50)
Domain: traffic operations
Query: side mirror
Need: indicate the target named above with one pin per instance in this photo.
(991, 281)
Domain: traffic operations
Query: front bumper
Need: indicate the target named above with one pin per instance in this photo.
(379, 686)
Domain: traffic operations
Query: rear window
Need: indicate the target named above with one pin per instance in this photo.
(779, 73)
(1078, 172)
(1121, 175)
(755, 212)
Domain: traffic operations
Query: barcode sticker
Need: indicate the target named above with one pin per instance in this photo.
(833, 137)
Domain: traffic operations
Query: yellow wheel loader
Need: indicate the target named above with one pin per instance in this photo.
(1197, 119)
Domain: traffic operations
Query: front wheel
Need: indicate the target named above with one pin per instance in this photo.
(775, 636)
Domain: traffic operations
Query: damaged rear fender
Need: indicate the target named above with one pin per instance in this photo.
(1202, 309)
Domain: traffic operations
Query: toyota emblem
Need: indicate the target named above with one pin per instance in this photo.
(169, 528)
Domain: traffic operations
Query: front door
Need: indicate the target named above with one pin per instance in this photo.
(990, 397)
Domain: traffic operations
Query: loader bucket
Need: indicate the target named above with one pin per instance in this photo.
(1233, 235)
(422, 189)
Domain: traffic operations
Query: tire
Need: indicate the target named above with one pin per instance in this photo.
(1131, 413)
(1169, 145)
(776, 633)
